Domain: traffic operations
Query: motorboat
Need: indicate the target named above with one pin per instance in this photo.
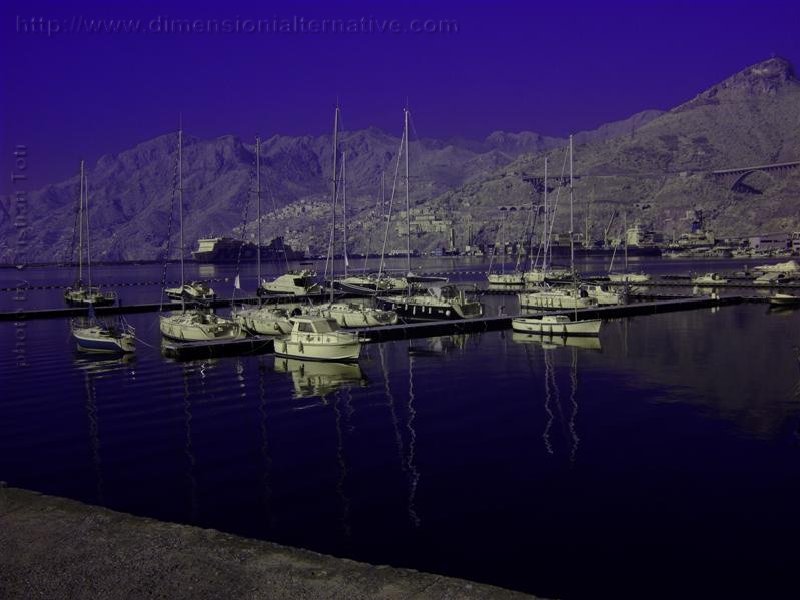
(192, 291)
(318, 338)
(556, 325)
(605, 296)
(709, 279)
(783, 299)
(789, 266)
(293, 283)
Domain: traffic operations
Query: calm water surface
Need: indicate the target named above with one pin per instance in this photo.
(662, 459)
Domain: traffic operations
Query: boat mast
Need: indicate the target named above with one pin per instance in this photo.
(503, 241)
(258, 215)
(333, 192)
(180, 195)
(88, 248)
(408, 202)
(571, 224)
(546, 221)
(625, 239)
(80, 231)
(344, 212)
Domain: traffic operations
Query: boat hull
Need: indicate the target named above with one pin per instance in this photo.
(263, 322)
(309, 350)
(561, 328)
(410, 309)
(88, 341)
(505, 279)
(549, 301)
(175, 328)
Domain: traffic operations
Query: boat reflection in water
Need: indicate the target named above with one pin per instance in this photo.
(97, 364)
(316, 378)
(439, 345)
(585, 342)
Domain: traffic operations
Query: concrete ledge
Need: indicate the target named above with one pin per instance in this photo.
(56, 548)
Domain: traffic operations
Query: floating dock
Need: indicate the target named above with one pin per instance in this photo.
(101, 311)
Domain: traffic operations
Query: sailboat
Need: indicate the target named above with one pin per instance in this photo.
(197, 324)
(567, 297)
(539, 275)
(573, 298)
(440, 301)
(263, 320)
(370, 284)
(91, 334)
(80, 294)
(503, 278)
(626, 277)
(346, 314)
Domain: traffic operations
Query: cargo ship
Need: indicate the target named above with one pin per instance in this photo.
(230, 250)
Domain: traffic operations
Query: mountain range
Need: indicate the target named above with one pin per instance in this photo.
(653, 167)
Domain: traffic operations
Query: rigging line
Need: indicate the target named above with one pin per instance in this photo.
(555, 203)
(74, 234)
(388, 215)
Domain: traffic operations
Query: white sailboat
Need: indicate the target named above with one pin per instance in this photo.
(503, 278)
(440, 301)
(261, 320)
(556, 325)
(565, 297)
(92, 334)
(80, 294)
(346, 314)
(625, 277)
(539, 275)
(193, 324)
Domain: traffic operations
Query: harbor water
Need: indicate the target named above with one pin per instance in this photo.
(661, 459)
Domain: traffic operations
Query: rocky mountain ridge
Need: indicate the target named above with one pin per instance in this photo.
(652, 167)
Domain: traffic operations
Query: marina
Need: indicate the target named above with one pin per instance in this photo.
(459, 301)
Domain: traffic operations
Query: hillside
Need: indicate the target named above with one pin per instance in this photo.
(652, 167)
